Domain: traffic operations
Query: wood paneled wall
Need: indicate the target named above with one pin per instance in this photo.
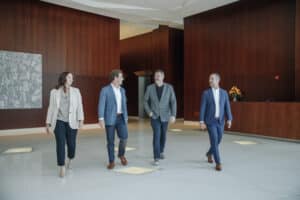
(69, 40)
(297, 52)
(248, 43)
(160, 49)
(268, 119)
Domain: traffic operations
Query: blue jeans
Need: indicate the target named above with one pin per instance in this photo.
(159, 136)
(215, 131)
(121, 127)
(63, 132)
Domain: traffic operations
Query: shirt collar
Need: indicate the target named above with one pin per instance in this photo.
(160, 86)
(214, 89)
(115, 86)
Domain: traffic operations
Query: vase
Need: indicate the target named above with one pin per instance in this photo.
(234, 99)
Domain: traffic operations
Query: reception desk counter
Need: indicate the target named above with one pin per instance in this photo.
(275, 119)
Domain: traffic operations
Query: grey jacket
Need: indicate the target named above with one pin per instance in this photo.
(166, 107)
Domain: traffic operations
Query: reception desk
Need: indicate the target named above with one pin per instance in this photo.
(275, 119)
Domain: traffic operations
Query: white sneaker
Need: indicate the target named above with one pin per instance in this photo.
(155, 163)
(69, 164)
(62, 171)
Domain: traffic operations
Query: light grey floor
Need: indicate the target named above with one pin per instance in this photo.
(268, 170)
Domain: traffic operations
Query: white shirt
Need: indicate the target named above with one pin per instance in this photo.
(117, 91)
(216, 93)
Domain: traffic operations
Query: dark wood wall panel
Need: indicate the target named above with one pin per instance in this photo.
(176, 71)
(135, 55)
(82, 43)
(268, 119)
(297, 52)
(248, 43)
(161, 48)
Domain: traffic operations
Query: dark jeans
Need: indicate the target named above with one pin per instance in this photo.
(159, 136)
(215, 132)
(63, 132)
(122, 132)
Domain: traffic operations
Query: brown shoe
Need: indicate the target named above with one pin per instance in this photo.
(209, 158)
(218, 167)
(111, 165)
(123, 160)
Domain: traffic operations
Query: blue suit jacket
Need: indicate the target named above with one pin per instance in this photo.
(207, 110)
(107, 107)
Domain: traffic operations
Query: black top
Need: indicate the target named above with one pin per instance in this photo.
(159, 91)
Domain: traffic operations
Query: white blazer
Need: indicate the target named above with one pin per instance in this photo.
(76, 108)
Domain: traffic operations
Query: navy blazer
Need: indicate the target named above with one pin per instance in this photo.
(207, 109)
(107, 107)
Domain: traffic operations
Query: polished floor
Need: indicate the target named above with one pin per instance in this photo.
(254, 168)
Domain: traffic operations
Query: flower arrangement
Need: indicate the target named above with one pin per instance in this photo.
(235, 93)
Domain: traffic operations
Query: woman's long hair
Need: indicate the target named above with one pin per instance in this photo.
(62, 79)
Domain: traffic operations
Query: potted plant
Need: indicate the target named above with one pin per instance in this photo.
(235, 93)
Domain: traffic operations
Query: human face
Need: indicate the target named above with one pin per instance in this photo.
(159, 78)
(69, 80)
(214, 81)
(119, 79)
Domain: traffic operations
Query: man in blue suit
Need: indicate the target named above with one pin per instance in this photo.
(112, 112)
(215, 107)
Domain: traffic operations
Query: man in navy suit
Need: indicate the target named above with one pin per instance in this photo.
(112, 111)
(215, 107)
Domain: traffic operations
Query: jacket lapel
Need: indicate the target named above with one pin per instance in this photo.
(57, 97)
(71, 97)
(212, 96)
(113, 94)
(121, 92)
(222, 97)
(163, 92)
(154, 93)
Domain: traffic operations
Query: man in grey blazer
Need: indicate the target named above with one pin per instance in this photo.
(160, 104)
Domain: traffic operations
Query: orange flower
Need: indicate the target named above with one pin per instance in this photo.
(235, 92)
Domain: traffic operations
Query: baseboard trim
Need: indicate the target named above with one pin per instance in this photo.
(139, 118)
(37, 130)
(196, 123)
(41, 130)
(134, 117)
(190, 123)
(262, 136)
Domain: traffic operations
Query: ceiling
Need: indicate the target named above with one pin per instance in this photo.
(140, 16)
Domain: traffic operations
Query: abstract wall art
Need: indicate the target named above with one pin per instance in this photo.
(20, 80)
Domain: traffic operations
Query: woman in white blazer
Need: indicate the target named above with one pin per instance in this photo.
(64, 117)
